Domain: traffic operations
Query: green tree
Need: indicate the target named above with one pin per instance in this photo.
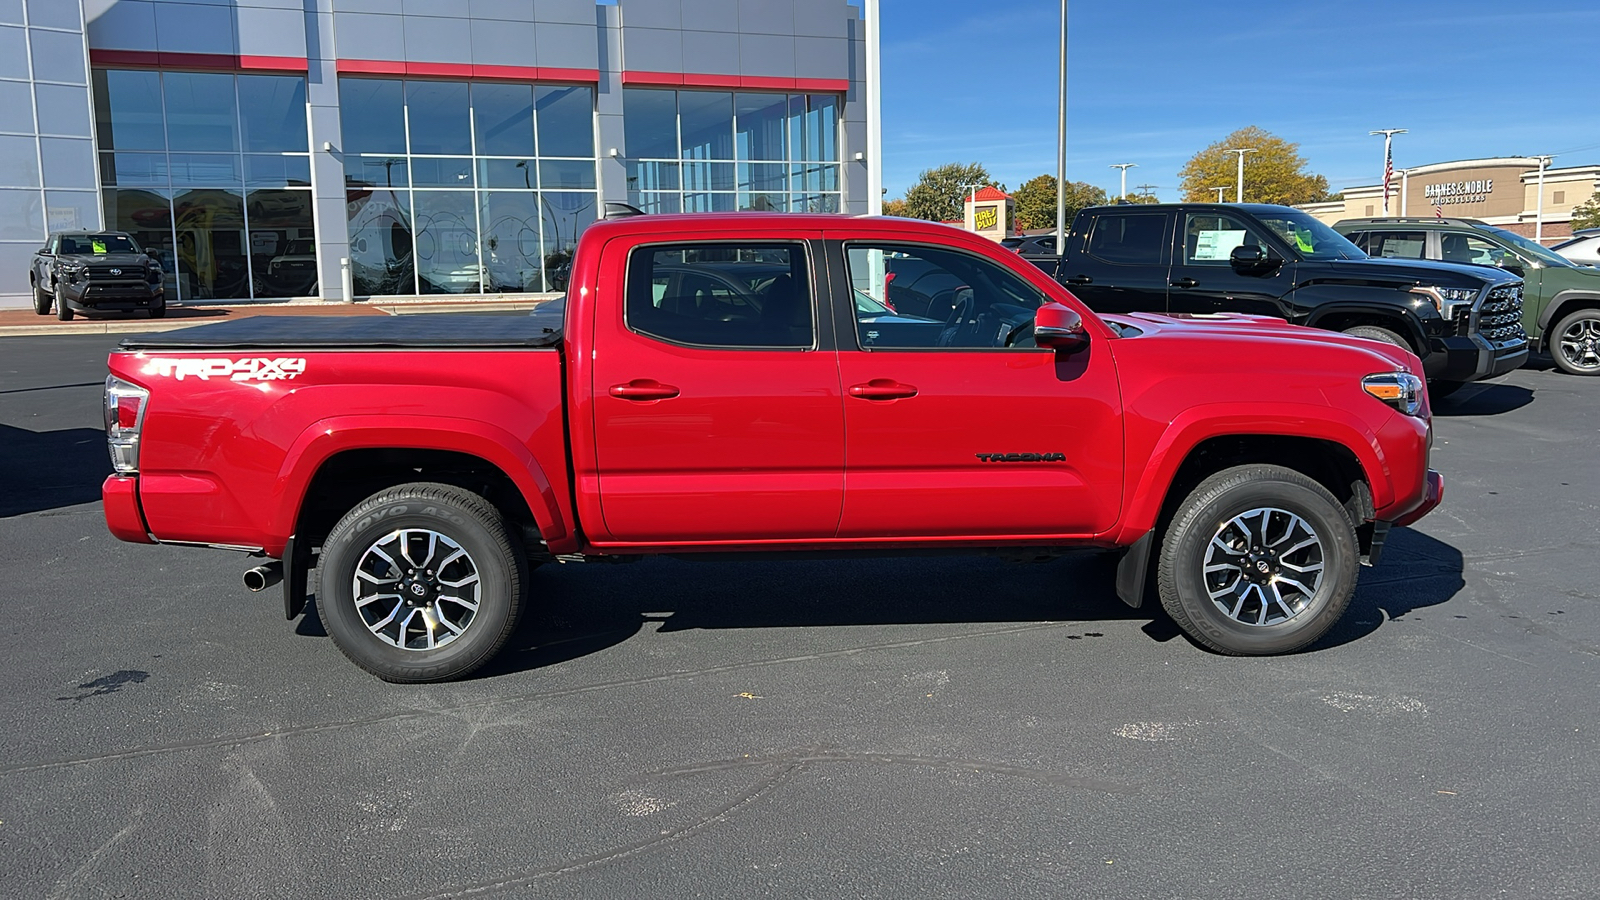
(1036, 201)
(937, 195)
(1274, 173)
(1137, 198)
(895, 208)
(1587, 213)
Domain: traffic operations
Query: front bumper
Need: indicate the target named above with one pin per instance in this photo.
(115, 295)
(1432, 496)
(120, 496)
(1472, 358)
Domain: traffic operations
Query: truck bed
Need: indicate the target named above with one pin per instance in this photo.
(540, 329)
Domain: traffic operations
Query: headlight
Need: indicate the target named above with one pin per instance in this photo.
(1401, 390)
(1446, 300)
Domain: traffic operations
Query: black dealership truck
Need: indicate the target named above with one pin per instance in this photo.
(103, 270)
(1464, 322)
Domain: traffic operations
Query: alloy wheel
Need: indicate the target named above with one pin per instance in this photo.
(416, 589)
(1263, 566)
(1580, 343)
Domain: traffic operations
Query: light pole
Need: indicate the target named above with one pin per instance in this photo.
(1388, 160)
(1061, 143)
(1124, 167)
(1239, 194)
(874, 114)
(1538, 216)
(1219, 191)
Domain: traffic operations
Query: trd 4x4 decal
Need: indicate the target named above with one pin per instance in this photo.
(252, 369)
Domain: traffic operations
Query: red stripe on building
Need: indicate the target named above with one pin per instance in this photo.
(737, 82)
(466, 71)
(152, 59)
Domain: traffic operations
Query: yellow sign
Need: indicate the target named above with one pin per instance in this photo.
(986, 218)
(97, 246)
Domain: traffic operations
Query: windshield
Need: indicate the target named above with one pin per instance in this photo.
(96, 244)
(1311, 238)
(1537, 251)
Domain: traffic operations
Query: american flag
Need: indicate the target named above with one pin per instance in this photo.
(1388, 173)
(1438, 211)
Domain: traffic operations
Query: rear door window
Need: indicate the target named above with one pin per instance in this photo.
(1397, 244)
(721, 295)
(1128, 238)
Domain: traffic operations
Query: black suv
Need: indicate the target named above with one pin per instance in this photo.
(1463, 321)
(96, 270)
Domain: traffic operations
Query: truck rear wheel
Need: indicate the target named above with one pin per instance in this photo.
(421, 583)
(1258, 560)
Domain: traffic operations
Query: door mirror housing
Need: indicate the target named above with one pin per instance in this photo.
(1251, 259)
(1511, 263)
(1060, 328)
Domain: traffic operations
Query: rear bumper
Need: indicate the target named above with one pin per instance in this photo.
(123, 516)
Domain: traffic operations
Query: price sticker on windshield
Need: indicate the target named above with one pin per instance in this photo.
(99, 246)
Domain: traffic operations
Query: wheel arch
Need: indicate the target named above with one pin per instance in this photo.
(1342, 316)
(1561, 306)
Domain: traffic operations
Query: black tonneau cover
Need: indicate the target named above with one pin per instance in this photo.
(542, 328)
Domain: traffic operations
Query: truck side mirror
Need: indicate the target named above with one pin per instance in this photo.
(1059, 328)
(1250, 258)
(1511, 263)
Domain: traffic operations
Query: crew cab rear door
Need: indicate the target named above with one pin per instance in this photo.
(1204, 279)
(956, 424)
(716, 398)
(1117, 259)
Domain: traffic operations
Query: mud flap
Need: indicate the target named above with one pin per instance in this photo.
(296, 567)
(1132, 569)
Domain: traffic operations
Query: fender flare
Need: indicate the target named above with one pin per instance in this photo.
(321, 440)
(1410, 324)
(1577, 297)
(1194, 426)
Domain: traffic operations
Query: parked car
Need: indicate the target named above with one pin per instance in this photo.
(1561, 307)
(99, 270)
(1040, 245)
(1463, 321)
(1582, 248)
(1242, 466)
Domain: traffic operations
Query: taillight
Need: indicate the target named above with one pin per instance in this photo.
(125, 405)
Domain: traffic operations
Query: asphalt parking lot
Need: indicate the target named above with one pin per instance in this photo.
(946, 727)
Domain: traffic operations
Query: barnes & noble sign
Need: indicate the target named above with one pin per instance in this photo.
(1450, 192)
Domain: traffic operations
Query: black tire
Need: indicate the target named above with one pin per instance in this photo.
(63, 308)
(1375, 333)
(1579, 355)
(1438, 390)
(159, 310)
(459, 516)
(1208, 514)
(41, 300)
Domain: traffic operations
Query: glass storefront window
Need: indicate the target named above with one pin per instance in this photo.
(372, 116)
(272, 113)
(489, 183)
(202, 111)
(211, 171)
(786, 146)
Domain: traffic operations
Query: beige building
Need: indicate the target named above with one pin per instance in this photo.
(1502, 192)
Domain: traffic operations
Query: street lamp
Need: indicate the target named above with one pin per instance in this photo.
(1239, 195)
(1538, 216)
(1388, 160)
(1061, 143)
(1124, 167)
(1219, 191)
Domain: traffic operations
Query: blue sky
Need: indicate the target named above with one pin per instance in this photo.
(1153, 81)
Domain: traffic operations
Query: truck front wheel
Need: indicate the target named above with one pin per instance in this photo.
(1258, 560)
(421, 583)
(41, 300)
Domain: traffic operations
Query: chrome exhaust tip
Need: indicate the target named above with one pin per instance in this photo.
(262, 577)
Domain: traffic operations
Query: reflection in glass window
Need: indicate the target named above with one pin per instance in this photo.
(272, 113)
(190, 204)
(568, 174)
(437, 114)
(372, 116)
(939, 298)
(450, 172)
(566, 121)
(721, 295)
(202, 111)
(790, 142)
(512, 254)
(127, 110)
(380, 242)
(566, 214)
(447, 243)
(503, 115)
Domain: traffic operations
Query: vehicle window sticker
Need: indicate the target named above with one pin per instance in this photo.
(99, 246)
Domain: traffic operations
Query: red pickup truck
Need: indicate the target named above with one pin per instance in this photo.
(725, 383)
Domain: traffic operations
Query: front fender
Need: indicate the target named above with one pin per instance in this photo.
(327, 437)
(1324, 302)
(1572, 299)
(1193, 426)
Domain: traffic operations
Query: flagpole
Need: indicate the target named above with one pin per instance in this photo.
(1388, 160)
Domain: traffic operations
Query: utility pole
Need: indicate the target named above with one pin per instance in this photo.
(1061, 143)
(1388, 160)
(1147, 189)
(1538, 216)
(1124, 167)
(1239, 195)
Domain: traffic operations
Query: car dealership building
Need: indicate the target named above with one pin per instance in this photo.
(439, 146)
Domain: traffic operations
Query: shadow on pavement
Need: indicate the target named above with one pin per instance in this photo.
(1488, 400)
(51, 469)
(1417, 571)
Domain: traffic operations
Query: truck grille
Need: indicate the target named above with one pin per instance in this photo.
(112, 273)
(1500, 317)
